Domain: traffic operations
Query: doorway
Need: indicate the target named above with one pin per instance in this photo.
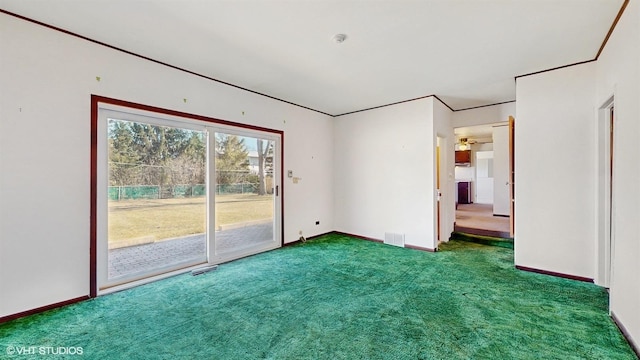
(174, 192)
(606, 165)
(482, 198)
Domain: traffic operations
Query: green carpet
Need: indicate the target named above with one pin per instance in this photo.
(340, 298)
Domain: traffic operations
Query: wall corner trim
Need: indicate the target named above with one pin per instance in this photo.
(612, 28)
(391, 104)
(483, 106)
(443, 103)
(555, 68)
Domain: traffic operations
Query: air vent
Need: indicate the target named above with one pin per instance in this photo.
(394, 239)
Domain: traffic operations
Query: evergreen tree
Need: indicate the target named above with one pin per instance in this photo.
(122, 156)
(232, 161)
(189, 167)
(145, 154)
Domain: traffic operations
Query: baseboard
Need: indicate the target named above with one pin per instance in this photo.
(556, 274)
(626, 334)
(320, 235)
(307, 239)
(43, 309)
(359, 236)
(414, 247)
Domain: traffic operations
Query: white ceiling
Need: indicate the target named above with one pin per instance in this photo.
(478, 133)
(467, 52)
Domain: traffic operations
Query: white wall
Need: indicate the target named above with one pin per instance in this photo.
(384, 162)
(618, 73)
(484, 177)
(484, 115)
(47, 78)
(555, 185)
(465, 173)
(501, 195)
(563, 101)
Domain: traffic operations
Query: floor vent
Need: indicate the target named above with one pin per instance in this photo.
(394, 239)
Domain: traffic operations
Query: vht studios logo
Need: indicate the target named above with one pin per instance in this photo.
(44, 350)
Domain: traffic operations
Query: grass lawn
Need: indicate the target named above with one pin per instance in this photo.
(138, 221)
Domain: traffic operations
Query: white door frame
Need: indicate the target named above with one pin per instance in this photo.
(605, 195)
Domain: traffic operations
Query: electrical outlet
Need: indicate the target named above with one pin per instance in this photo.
(290, 173)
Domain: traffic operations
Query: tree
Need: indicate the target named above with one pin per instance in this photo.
(265, 163)
(145, 154)
(188, 166)
(232, 161)
(122, 156)
(151, 145)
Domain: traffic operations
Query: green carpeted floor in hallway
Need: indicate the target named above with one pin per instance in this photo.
(340, 298)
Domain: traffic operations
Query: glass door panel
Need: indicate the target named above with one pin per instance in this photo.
(157, 208)
(245, 195)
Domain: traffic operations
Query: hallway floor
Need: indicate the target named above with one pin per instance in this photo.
(478, 219)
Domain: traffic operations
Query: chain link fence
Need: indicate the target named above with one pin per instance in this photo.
(134, 192)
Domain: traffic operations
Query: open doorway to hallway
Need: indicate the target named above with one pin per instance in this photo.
(482, 176)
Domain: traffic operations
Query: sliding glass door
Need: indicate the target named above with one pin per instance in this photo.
(175, 193)
(245, 194)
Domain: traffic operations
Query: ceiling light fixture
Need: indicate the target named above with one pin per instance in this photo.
(339, 38)
(464, 142)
